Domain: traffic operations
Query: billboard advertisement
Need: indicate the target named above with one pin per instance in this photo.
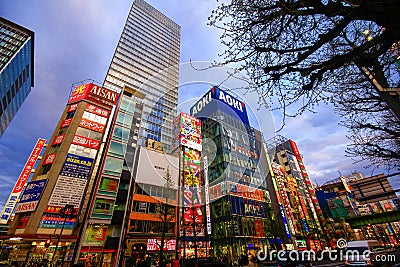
(94, 93)
(21, 181)
(187, 132)
(152, 167)
(31, 196)
(217, 98)
(68, 190)
(76, 166)
(97, 233)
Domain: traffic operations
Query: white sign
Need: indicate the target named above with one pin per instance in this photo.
(68, 190)
(27, 206)
(207, 194)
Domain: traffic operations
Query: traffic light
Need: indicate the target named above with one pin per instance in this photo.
(47, 243)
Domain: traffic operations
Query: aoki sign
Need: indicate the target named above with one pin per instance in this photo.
(225, 101)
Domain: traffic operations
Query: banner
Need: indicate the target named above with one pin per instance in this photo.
(22, 179)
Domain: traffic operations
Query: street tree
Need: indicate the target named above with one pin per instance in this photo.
(166, 212)
(300, 53)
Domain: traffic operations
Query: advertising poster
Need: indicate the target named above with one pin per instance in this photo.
(68, 190)
(31, 196)
(108, 184)
(103, 206)
(77, 166)
(97, 233)
(188, 132)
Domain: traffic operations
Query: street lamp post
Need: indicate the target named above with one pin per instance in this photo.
(66, 212)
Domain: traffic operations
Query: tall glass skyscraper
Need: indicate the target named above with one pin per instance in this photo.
(146, 59)
(16, 69)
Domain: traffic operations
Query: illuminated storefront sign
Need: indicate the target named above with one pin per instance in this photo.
(154, 244)
(22, 179)
(97, 233)
(187, 132)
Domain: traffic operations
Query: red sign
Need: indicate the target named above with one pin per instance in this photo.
(65, 123)
(57, 209)
(79, 93)
(94, 93)
(294, 148)
(72, 107)
(92, 125)
(97, 110)
(28, 206)
(30, 163)
(49, 158)
(58, 139)
(86, 142)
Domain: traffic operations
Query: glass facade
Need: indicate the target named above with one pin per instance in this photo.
(16, 69)
(241, 211)
(146, 59)
(115, 181)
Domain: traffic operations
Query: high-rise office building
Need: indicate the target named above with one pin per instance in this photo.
(16, 69)
(146, 59)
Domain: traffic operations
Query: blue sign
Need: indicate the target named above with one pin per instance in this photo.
(219, 99)
(33, 191)
(77, 166)
(284, 221)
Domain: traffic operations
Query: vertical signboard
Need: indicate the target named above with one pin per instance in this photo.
(187, 132)
(207, 195)
(22, 180)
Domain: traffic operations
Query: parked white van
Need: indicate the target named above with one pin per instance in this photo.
(363, 253)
